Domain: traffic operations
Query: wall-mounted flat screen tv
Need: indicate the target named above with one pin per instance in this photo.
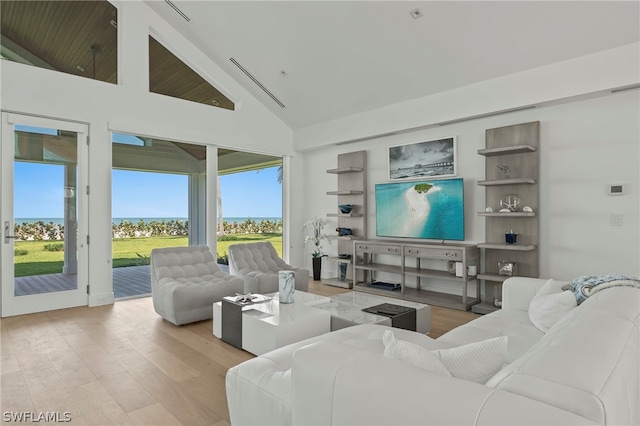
(431, 209)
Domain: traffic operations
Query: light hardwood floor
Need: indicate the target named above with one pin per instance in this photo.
(122, 364)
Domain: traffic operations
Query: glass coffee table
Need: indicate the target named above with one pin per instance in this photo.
(347, 309)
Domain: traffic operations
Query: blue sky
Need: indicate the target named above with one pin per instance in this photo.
(39, 193)
(39, 190)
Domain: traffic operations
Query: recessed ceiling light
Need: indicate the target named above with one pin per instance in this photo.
(416, 13)
(214, 102)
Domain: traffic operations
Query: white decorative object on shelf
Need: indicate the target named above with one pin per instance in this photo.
(472, 270)
(287, 286)
(489, 210)
(505, 211)
(527, 209)
(511, 202)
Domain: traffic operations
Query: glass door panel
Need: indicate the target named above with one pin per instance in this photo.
(44, 258)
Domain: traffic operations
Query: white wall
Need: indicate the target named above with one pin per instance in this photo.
(590, 75)
(584, 146)
(129, 107)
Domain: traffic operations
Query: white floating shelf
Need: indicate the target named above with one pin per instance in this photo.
(351, 192)
(511, 247)
(515, 149)
(518, 181)
(345, 170)
(511, 214)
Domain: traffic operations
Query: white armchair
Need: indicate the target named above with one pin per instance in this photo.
(186, 281)
(259, 263)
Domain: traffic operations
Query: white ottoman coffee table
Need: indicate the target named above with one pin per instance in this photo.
(270, 325)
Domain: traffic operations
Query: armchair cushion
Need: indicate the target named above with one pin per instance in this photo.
(186, 281)
(259, 264)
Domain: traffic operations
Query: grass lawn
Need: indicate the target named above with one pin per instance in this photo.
(38, 261)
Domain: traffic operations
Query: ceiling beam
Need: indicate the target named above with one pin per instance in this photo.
(14, 52)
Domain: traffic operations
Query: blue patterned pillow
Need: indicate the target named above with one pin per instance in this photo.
(581, 286)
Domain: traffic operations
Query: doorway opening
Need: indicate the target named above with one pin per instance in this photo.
(158, 200)
(249, 201)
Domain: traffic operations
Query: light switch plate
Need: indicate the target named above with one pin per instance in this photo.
(616, 219)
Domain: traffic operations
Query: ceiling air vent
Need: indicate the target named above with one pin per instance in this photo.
(264, 89)
(489, 114)
(181, 13)
(624, 89)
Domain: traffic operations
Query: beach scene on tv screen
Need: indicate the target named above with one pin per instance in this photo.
(423, 209)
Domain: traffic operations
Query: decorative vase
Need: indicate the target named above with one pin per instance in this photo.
(343, 270)
(317, 266)
(345, 208)
(287, 286)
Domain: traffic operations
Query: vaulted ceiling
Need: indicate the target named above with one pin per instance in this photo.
(327, 59)
(80, 38)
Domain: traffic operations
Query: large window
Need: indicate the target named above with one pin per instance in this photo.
(158, 200)
(249, 199)
(74, 37)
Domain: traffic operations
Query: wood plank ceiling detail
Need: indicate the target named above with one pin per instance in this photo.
(62, 33)
(72, 36)
(169, 76)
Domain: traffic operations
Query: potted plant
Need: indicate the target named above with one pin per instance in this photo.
(317, 225)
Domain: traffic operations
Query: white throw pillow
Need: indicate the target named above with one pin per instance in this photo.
(477, 361)
(412, 353)
(550, 304)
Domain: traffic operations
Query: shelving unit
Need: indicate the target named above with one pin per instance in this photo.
(418, 262)
(352, 184)
(516, 147)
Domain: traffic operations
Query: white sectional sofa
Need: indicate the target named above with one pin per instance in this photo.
(584, 370)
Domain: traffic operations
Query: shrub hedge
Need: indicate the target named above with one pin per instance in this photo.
(34, 231)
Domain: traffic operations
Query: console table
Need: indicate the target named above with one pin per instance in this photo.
(420, 262)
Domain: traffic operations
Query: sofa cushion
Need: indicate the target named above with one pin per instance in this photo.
(413, 354)
(477, 361)
(514, 324)
(550, 304)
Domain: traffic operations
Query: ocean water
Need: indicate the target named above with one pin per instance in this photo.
(437, 214)
(119, 220)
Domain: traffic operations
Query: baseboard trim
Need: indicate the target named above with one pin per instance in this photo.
(101, 299)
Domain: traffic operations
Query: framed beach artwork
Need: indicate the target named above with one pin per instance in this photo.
(422, 160)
